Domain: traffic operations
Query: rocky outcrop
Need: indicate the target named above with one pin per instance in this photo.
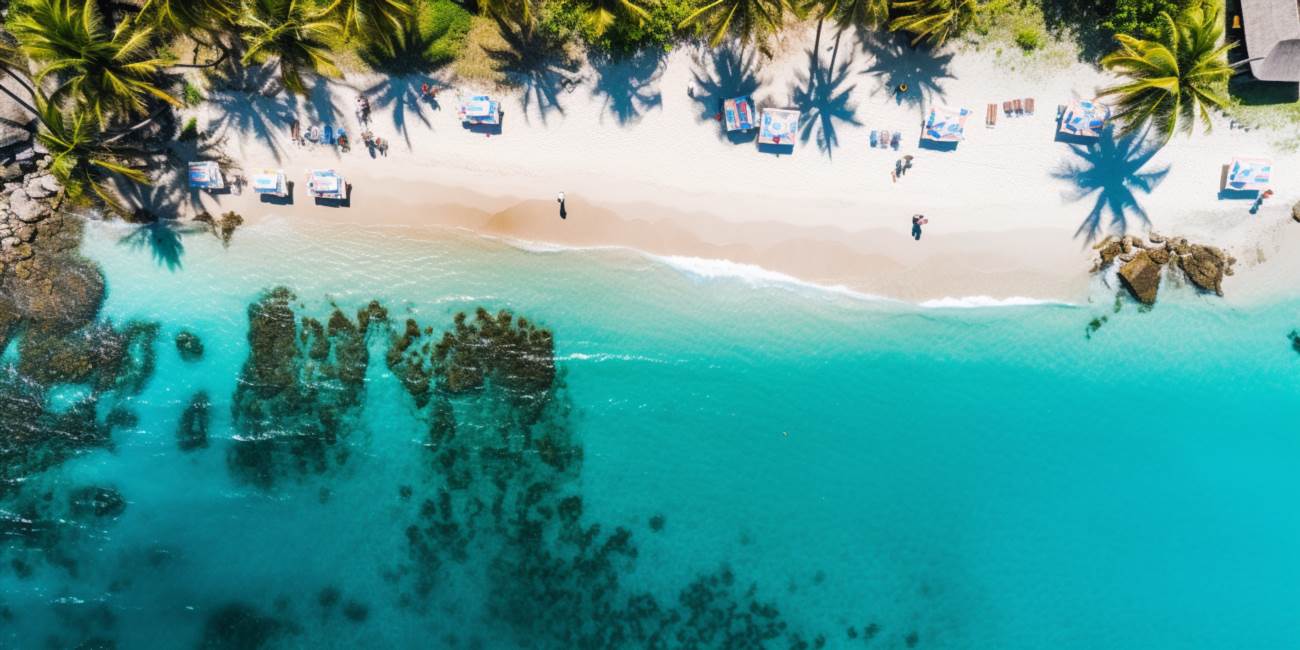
(26, 207)
(1142, 262)
(1141, 276)
(17, 126)
(1295, 212)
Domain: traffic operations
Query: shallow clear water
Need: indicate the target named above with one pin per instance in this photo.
(956, 478)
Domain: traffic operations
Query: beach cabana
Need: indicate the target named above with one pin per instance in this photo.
(270, 181)
(1084, 118)
(946, 124)
(326, 184)
(739, 113)
(206, 175)
(480, 109)
(778, 126)
(1248, 174)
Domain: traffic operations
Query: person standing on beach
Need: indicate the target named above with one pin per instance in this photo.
(564, 214)
(918, 220)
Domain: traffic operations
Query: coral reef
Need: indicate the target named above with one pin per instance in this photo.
(298, 388)
(240, 626)
(224, 227)
(189, 345)
(192, 432)
(97, 501)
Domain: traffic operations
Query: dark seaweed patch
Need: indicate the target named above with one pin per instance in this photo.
(189, 345)
(96, 501)
(297, 391)
(192, 432)
(240, 626)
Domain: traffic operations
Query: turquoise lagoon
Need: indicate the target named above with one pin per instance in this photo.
(882, 474)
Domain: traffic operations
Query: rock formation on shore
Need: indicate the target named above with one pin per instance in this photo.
(1143, 263)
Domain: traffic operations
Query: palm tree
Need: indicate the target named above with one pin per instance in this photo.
(382, 23)
(81, 159)
(935, 21)
(861, 13)
(293, 33)
(185, 17)
(103, 72)
(600, 15)
(1179, 75)
(748, 19)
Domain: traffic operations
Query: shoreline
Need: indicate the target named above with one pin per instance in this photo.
(1012, 213)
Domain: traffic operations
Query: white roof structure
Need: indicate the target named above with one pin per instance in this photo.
(206, 175)
(1272, 38)
(326, 184)
(270, 181)
(1248, 174)
(946, 124)
(778, 126)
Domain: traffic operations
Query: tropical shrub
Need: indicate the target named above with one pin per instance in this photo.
(1139, 17)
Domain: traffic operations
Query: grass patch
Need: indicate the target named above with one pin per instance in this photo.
(1029, 39)
(1272, 106)
(474, 62)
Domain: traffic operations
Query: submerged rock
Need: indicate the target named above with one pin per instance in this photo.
(239, 626)
(192, 432)
(97, 501)
(1295, 340)
(1205, 267)
(1142, 277)
(189, 345)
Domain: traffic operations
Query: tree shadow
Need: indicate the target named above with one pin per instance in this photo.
(894, 62)
(156, 210)
(539, 67)
(267, 118)
(724, 73)
(404, 96)
(321, 102)
(1080, 21)
(1115, 171)
(821, 95)
(629, 85)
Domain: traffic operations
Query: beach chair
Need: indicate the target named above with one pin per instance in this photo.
(1029, 106)
(327, 136)
(991, 116)
(896, 139)
(874, 138)
(1006, 108)
(1020, 108)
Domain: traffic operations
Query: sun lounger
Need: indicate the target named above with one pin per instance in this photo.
(1020, 108)
(1029, 105)
(991, 116)
(875, 138)
(1006, 108)
(896, 139)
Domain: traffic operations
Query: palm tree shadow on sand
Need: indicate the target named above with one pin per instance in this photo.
(405, 97)
(894, 62)
(1115, 170)
(821, 94)
(542, 70)
(721, 74)
(629, 86)
(237, 109)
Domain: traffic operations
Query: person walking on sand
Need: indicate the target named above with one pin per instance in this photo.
(559, 198)
(918, 220)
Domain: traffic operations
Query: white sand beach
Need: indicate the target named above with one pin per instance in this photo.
(645, 165)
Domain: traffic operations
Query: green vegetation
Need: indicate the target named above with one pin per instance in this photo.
(82, 159)
(292, 33)
(1029, 39)
(935, 21)
(190, 131)
(1175, 78)
(191, 94)
(1141, 17)
(747, 20)
(104, 71)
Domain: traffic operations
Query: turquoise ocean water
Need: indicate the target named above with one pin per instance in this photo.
(884, 475)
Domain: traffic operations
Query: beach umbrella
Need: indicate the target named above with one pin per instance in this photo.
(946, 124)
(1248, 174)
(778, 126)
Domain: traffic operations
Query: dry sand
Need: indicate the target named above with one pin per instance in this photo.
(644, 165)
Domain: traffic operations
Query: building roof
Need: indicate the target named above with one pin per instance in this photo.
(1273, 37)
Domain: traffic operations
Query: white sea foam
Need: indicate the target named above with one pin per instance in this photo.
(757, 276)
(602, 356)
(975, 302)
